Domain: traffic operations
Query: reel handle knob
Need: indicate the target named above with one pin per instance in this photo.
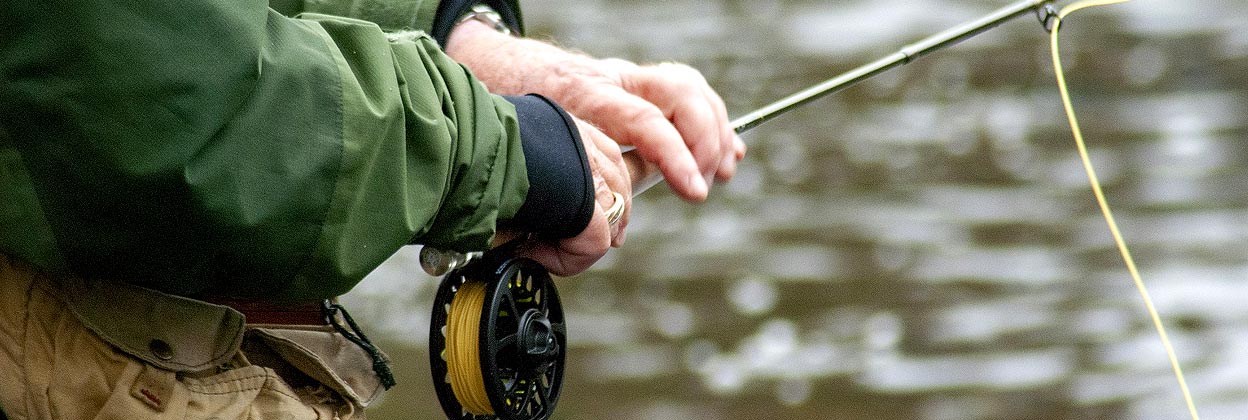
(437, 262)
(537, 336)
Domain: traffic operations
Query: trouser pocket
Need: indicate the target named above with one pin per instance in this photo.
(56, 368)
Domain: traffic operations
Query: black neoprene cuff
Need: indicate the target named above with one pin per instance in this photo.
(560, 200)
(449, 12)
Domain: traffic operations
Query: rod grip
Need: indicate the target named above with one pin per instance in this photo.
(642, 173)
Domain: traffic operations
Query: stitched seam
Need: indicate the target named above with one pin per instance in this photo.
(490, 161)
(202, 389)
(323, 242)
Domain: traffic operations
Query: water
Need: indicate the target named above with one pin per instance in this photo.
(921, 246)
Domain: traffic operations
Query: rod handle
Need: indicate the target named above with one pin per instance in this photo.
(641, 173)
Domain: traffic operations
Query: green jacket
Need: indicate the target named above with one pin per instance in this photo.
(224, 148)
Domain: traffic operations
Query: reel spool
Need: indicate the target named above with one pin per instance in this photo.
(497, 340)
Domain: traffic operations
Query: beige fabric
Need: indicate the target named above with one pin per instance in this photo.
(196, 335)
(56, 368)
(327, 358)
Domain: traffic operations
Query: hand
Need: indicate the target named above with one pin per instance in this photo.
(574, 255)
(667, 111)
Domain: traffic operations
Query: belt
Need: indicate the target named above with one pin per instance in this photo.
(322, 313)
(261, 312)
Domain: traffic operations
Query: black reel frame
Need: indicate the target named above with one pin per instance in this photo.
(522, 337)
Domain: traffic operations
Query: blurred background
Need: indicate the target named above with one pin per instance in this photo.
(921, 246)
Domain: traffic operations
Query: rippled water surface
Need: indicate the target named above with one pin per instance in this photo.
(921, 246)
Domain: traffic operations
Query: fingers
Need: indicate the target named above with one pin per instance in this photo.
(573, 255)
(667, 111)
(683, 103)
(738, 148)
(611, 182)
(696, 111)
(611, 176)
(632, 120)
(727, 136)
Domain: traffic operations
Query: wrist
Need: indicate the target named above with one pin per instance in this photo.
(560, 199)
(470, 35)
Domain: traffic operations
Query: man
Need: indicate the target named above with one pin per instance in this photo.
(184, 185)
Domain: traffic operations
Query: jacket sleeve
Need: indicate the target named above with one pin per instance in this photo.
(191, 146)
(436, 18)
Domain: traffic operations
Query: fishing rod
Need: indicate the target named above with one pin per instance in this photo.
(497, 336)
(901, 57)
(646, 175)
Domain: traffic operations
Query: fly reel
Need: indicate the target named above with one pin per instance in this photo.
(497, 340)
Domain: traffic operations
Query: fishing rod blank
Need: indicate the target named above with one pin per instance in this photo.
(647, 175)
(901, 57)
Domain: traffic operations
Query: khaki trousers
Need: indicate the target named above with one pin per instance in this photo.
(71, 349)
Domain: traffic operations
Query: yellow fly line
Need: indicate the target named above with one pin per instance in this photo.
(1100, 198)
(463, 356)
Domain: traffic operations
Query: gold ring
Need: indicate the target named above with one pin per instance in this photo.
(617, 209)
